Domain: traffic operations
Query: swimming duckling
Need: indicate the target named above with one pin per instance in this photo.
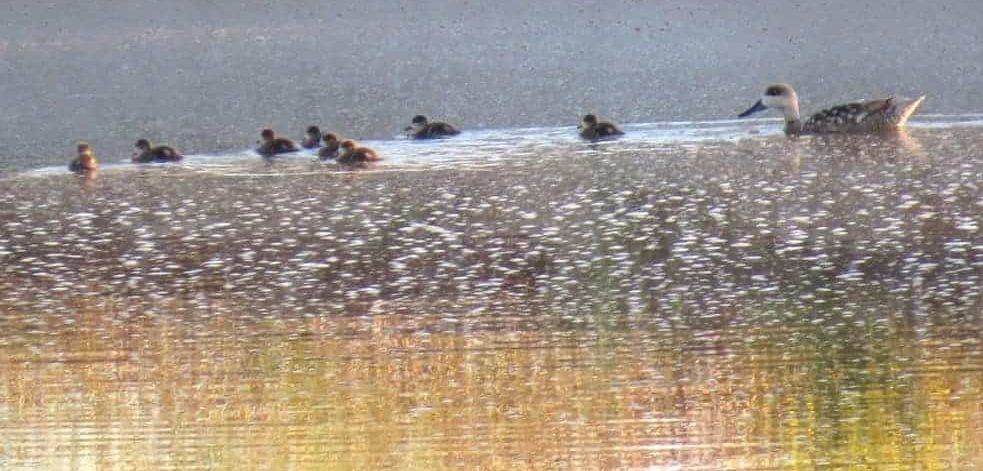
(332, 145)
(592, 129)
(86, 161)
(858, 117)
(312, 140)
(146, 153)
(273, 145)
(352, 154)
(423, 129)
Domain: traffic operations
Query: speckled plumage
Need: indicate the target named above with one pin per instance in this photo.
(863, 116)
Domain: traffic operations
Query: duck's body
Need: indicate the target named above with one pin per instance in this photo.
(332, 147)
(312, 140)
(147, 153)
(592, 129)
(869, 116)
(421, 128)
(354, 155)
(273, 145)
(85, 162)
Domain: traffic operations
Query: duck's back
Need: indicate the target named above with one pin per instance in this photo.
(436, 130)
(863, 116)
(165, 154)
(601, 130)
(280, 145)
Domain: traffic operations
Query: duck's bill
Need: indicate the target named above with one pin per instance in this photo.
(753, 109)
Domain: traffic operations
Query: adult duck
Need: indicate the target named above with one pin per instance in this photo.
(868, 116)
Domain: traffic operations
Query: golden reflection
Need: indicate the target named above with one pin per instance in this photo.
(106, 388)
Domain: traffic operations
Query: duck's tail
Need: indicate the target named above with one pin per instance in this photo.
(905, 107)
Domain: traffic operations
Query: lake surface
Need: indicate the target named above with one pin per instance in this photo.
(207, 76)
(694, 296)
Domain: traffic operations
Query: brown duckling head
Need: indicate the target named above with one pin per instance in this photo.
(314, 132)
(86, 160)
(267, 135)
(329, 137)
(589, 119)
(348, 144)
(83, 148)
(143, 145)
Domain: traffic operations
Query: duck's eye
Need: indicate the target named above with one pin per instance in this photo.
(773, 91)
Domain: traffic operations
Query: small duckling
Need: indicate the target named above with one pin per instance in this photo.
(592, 129)
(272, 145)
(146, 153)
(356, 155)
(332, 146)
(420, 128)
(85, 162)
(312, 140)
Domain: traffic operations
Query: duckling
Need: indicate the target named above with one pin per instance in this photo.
(85, 162)
(420, 128)
(868, 116)
(592, 129)
(312, 140)
(273, 145)
(146, 153)
(356, 155)
(331, 146)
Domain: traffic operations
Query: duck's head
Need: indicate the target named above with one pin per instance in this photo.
(83, 148)
(348, 144)
(142, 145)
(314, 131)
(419, 121)
(330, 137)
(267, 135)
(589, 120)
(779, 96)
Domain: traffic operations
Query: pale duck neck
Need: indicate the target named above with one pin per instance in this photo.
(793, 124)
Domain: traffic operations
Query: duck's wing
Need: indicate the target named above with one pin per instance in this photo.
(283, 145)
(863, 116)
(840, 118)
(447, 129)
(166, 153)
(438, 129)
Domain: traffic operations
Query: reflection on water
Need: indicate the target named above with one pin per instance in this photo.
(683, 303)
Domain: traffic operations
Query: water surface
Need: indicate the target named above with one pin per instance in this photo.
(695, 296)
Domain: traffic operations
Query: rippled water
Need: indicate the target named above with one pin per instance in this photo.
(695, 296)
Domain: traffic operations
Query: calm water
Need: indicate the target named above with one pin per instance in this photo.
(697, 296)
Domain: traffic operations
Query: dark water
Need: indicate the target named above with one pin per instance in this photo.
(697, 296)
